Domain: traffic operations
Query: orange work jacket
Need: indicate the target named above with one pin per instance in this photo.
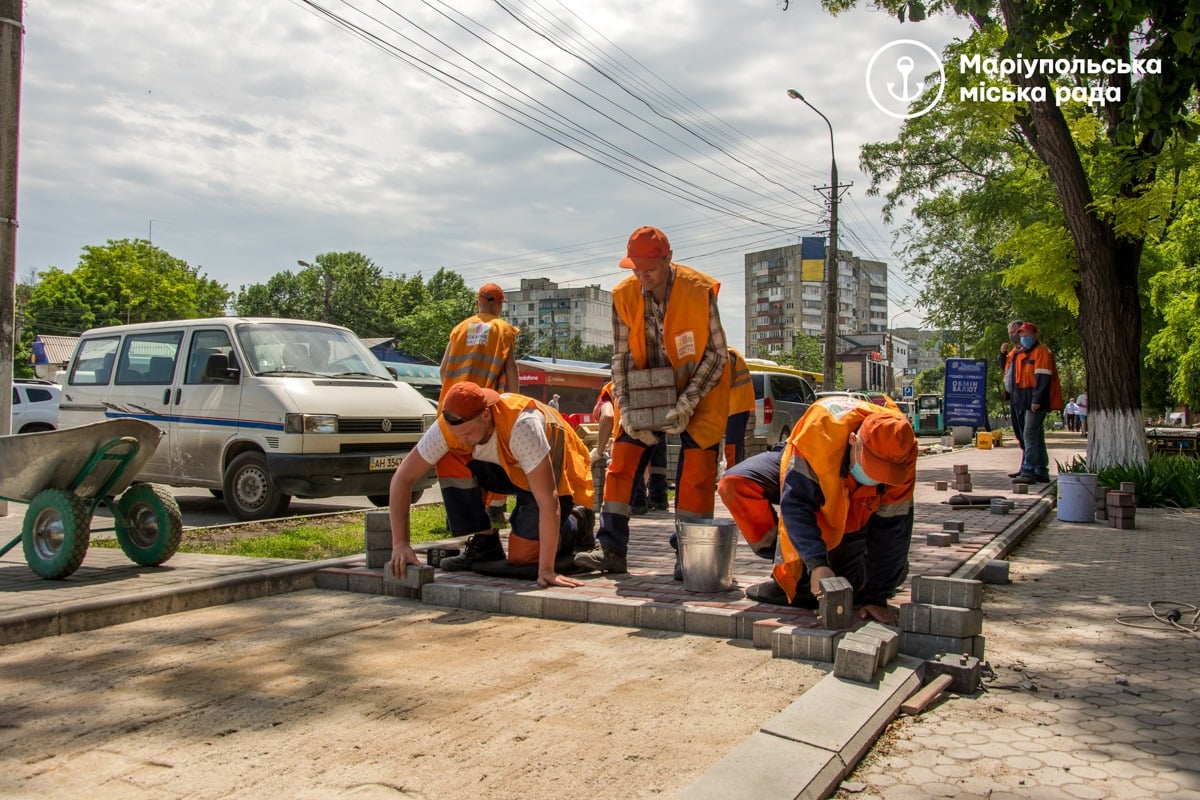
(478, 348)
(741, 390)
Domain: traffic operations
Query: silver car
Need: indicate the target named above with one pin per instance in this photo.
(780, 400)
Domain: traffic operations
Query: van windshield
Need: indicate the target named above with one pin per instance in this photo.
(289, 348)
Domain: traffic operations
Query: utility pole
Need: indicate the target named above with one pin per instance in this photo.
(12, 30)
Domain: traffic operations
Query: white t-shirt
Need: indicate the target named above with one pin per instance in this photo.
(528, 443)
(1081, 401)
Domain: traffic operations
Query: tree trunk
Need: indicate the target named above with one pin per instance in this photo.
(1110, 311)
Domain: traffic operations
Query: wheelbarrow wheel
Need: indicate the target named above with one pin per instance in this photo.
(149, 524)
(55, 533)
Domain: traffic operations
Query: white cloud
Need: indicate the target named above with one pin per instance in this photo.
(244, 136)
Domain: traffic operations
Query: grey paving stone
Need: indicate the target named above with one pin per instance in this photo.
(614, 611)
(767, 767)
(522, 602)
(942, 591)
(570, 609)
(442, 594)
(705, 621)
(856, 658)
(480, 598)
(378, 521)
(660, 616)
(377, 538)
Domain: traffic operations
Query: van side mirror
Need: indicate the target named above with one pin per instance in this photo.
(392, 371)
(217, 368)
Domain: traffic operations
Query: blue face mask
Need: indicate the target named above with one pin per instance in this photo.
(1027, 342)
(856, 471)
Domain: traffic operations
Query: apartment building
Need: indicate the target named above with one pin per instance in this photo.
(547, 310)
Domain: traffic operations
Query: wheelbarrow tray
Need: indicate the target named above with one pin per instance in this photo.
(55, 459)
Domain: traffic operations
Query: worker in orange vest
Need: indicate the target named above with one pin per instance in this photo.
(741, 406)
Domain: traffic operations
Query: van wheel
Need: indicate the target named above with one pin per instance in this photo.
(379, 500)
(217, 493)
(250, 494)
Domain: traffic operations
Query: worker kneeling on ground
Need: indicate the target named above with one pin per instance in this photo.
(844, 486)
(515, 445)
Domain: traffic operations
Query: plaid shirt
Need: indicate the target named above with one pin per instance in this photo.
(712, 363)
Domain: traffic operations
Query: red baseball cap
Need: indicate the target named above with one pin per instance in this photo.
(1028, 327)
(647, 246)
(889, 452)
(491, 292)
(467, 400)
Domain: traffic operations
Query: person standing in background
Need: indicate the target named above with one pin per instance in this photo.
(1037, 393)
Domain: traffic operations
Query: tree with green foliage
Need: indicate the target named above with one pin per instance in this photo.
(127, 280)
(1101, 165)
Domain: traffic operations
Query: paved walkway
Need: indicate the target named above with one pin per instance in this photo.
(1090, 707)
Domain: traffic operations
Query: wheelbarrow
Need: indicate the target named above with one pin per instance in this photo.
(65, 475)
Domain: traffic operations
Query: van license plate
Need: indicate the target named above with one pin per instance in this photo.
(385, 462)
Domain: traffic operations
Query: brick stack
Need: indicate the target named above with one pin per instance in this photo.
(1120, 508)
(962, 478)
(651, 396)
(945, 616)
(377, 527)
(952, 529)
(864, 652)
(1101, 495)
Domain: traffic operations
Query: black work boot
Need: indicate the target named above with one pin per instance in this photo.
(585, 521)
(480, 547)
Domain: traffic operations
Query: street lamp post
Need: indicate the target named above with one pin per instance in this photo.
(831, 255)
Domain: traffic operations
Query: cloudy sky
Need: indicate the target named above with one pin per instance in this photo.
(502, 139)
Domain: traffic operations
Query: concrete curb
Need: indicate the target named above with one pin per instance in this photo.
(1003, 544)
(810, 746)
(86, 615)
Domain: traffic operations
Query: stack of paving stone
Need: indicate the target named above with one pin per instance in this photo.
(377, 530)
(962, 478)
(1002, 505)
(1120, 507)
(651, 396)
(952, 530)
(945, 616)
(862, 653)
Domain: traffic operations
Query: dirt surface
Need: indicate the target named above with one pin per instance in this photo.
(328, 694)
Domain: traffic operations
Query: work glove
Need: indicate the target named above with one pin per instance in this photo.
(596, 455)
(648, 438)
(679, 417)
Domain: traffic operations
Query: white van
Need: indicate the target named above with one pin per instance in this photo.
(255, 410)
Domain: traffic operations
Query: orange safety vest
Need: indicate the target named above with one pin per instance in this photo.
(569, 457)
(685, 334)
(1039, 360)
(476, 352)
(821, 439)
(741, 389)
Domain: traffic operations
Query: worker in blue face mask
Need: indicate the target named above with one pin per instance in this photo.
(1036, 393)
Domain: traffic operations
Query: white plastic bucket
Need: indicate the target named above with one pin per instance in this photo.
(706, 553)
(1076, 497)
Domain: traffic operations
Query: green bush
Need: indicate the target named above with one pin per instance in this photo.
(1165, 481)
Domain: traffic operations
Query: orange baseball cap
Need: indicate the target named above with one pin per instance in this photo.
(491, 292)
(466, 401)
(647, 246)
(889, 453)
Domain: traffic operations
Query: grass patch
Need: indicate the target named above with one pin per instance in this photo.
(301, 539)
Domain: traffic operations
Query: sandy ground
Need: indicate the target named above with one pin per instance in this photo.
(326, 694)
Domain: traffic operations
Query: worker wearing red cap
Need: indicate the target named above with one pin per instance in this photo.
(1036, 393)
(482, 350)
(664, 314)
(844, 486)
(516, 445)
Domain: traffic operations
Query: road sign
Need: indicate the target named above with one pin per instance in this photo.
(908, 391)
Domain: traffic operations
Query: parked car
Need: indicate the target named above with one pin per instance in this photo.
(781, 397)
(34, 405)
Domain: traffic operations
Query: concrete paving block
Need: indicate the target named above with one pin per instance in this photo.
(375, 521)
(762, 631)
(480, 598)
(957, 622)
(521, 603)
(336, 579)
(1020, 488)
(1124, 524)
(377, 538)
(661, 397)
(954, 525)
(995, 571)
(889, 640)
(1129, 487)
(962, 469)
(1124, 499)
(943, 591)
(660, 616)
(434, 555)
(793, 766)
(941, 486)
(614, 611)
(781, 641)
(646, 419)
(705, 621)
(442, 594)
(410, 585)
(747, 622)
(836, 605)
(914, 617)
(363, 581)
(964, 669)
(650, 378)
(925, 645)
(939, 539)
(377, 558)
(856, 659)
(570, 609)
(851, 714)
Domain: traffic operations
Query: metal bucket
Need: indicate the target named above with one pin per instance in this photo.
(706, 552)
(1077, 497)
